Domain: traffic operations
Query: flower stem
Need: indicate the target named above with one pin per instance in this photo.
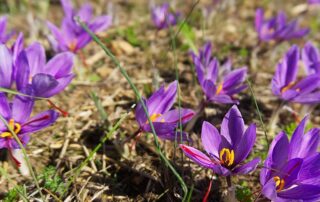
(229, 182)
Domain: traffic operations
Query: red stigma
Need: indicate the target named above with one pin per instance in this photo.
(64, 113)
(36, 120)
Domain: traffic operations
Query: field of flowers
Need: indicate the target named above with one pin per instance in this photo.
(196, 100)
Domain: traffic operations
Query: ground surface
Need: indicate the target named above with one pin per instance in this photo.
(132, 171)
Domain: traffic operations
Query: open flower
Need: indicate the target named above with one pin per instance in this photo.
(277, 28)
(17, 114)
(71, 36)
(286, 85)
(226, 150)
(39, 78)
(291, 170)
(4, 35)
(311, 58)
(219, 84)
(162, 17)
(165, 121)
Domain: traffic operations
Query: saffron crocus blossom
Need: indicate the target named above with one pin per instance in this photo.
(277, 28)
(4, 35)
(165, 121)
(313, 1)
(292, 169)
(162, 17)
(43, 79)
(17, 114)
(286, 85)
(71, 36)
(219, 84)
(311, 58)
(226, 150)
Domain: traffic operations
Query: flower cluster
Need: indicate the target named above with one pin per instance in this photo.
(277, 28)
(71, 36)
(285, 83)
(162, 17)
(219, 84)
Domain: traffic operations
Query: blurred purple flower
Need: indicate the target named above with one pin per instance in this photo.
(4, 36)
(228, 149)
(71, 36)
(165, 121)
(17, 114)
(292, 169)
(313, 1)
(218, 84)
(36, 77)
(162, 17)
(277, 28)
(311, 58)
(286, 86)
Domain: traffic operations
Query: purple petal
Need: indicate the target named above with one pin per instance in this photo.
(21, 108)
(302, 192)
(101, 23)
(162, 100)
(62, 82)
(42, 83)
(259, 18)
(6, 67)
(232, 126)
(234, 78)
(269, 190)
(311, 98)
(5, 110)
(310, 170)
(211, 139)
(224, 99)
(60, 65)
(60, 41)
(304, 145)
(161, 128)
(246, 143)
(173, 116)
(310, 55)
(40, 121)
(85, 12)
(36, 58)
(290, 171)
(277, 156)
(140, 115)
(197, 156)
(247, 167)
(23, 71)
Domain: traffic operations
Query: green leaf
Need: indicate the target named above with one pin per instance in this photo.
(243, 193)
(188, 35)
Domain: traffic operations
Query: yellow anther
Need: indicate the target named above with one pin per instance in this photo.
(15, 127)
(154, 117)
(219, 89)
(227, 157)
(73, 45)
(287, 87)
(279, 183)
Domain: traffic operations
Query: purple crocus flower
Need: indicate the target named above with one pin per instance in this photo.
(292, 169)
(17, 114)
(313, 1)
(4, 36)
(286, 85)
(228, 149)
(311, 58)
(219, 84)
(71, 36)
(165, 121)
(277, 28)
(39, 78)
(162, 17)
